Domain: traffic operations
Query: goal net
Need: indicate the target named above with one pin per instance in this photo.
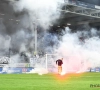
(51, 62)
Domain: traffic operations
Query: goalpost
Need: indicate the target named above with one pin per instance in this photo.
(50, 60)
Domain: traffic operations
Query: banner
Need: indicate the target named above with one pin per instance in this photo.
(15, 70)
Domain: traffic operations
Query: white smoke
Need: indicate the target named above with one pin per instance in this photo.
(4, 45)
(80, 54)
(39, 70)
(39, 12)
(14, 59)
(42, 12)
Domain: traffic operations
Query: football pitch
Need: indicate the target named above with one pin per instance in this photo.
(83, 81)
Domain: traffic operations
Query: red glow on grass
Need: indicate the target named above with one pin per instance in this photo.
(62, 78)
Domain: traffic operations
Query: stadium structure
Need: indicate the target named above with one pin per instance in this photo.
(74, 13)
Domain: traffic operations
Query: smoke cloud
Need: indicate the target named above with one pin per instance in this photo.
(17, 23)
(18, 20)
(80, 50)
(42, 12)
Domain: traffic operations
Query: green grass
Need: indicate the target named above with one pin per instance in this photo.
(49, 81)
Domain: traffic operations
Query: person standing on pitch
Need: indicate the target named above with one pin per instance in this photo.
(59, 63)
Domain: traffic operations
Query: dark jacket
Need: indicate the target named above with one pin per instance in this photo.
(59, 62)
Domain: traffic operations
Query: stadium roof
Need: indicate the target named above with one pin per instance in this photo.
(75, 12)
(79, 13)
